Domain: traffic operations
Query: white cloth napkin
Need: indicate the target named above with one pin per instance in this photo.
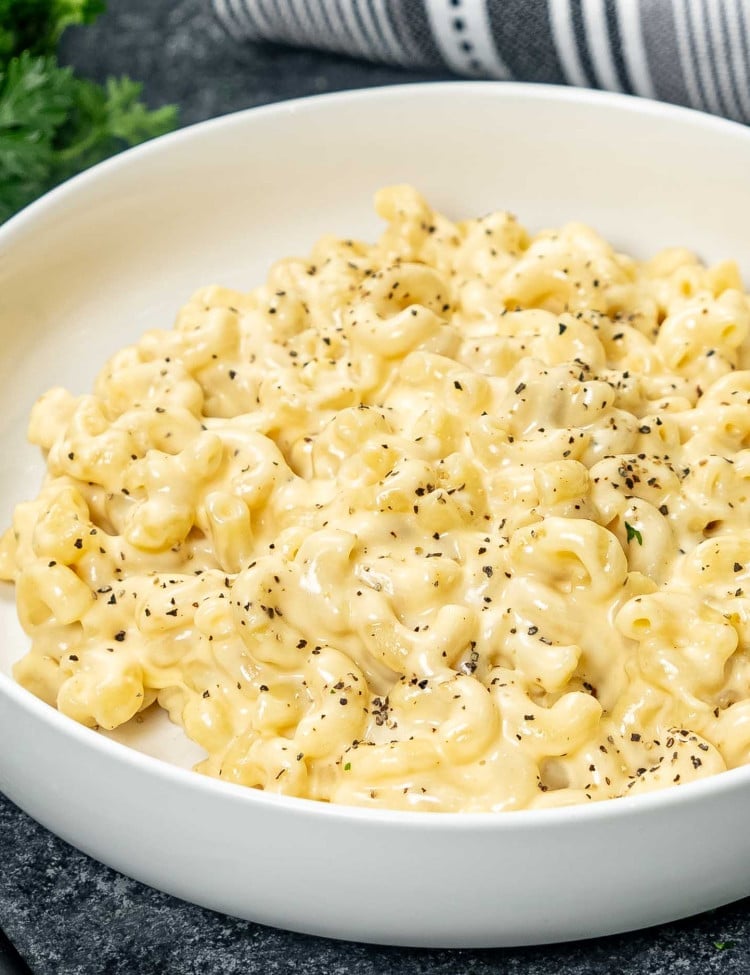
(692, 52)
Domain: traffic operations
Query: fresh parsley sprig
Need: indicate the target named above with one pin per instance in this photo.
(53, 124)
(36, 26)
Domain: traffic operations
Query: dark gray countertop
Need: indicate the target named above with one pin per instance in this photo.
(67, 914)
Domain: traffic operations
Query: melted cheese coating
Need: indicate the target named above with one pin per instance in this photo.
(454, 521)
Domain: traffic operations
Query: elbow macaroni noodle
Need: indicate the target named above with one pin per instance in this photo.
(457, 521)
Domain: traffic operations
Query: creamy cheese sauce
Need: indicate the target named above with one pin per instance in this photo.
(454, 521)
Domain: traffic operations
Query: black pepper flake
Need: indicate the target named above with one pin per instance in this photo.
(519, 388)
(738, 567)
(561, 328)
(635, 736)
(696, 762)
(487, 569)
(263, 687)
(533, 630)
(78, 543)
(120, 636)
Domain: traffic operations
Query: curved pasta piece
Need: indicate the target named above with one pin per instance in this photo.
(456, 520)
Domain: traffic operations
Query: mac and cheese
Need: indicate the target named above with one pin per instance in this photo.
(455, 521)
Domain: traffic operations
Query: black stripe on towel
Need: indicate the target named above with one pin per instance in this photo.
(615, 44)
(579, 28)
(523, 35)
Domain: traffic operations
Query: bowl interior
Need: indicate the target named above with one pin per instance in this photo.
(119, 250)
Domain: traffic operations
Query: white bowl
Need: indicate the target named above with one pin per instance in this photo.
(86, 269)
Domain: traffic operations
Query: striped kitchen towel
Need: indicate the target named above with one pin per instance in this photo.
(692, 52)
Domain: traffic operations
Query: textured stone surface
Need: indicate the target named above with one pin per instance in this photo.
(67, 914)
(182, 55)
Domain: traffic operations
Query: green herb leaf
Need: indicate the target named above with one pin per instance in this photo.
(104, 120)
(348, 767)
(723, 945)
(633, 533)
(37, 25)
(35, 95)
(53, 124)
(35, 98)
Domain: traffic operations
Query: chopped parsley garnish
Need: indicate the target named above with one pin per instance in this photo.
(633, 533)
